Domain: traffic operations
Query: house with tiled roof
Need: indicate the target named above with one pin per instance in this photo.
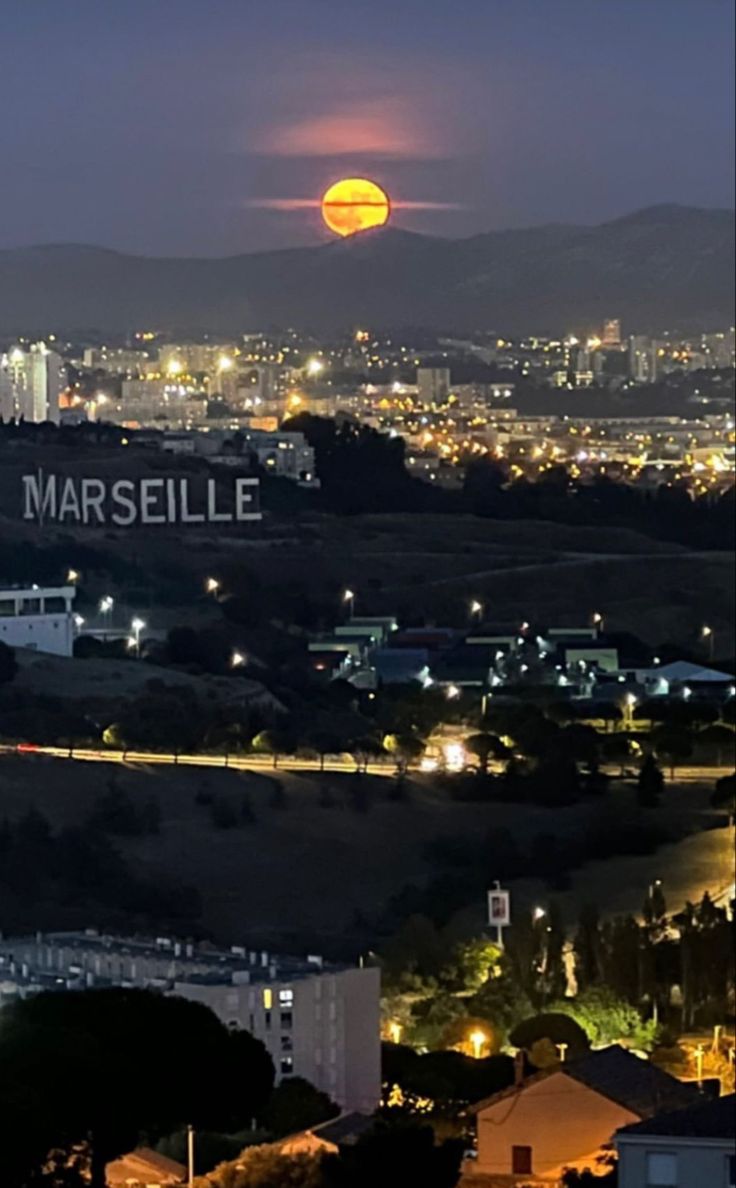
(566, 1117)
(690, 1148)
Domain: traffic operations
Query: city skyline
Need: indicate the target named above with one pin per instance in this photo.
(213, 134)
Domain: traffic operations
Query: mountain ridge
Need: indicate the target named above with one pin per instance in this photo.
(666, 266)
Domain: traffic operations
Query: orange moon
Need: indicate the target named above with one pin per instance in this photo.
(355, 204)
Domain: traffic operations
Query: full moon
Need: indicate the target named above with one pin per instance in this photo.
(355, 204)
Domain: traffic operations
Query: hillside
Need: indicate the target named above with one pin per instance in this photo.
(662, 267)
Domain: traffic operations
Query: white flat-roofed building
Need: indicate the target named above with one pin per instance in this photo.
(318, 1021)
(38, 618)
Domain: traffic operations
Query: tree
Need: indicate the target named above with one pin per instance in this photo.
(607, 1019)
(267, 1167)
(554, 1026)
(675, 745)
(296, 1105)
(407, 749)
(8, 664)
(57, 1051)
(720, 739)
(486, 747)
(616, 748)
(724, 794)
(396, 1157)
(650, 783)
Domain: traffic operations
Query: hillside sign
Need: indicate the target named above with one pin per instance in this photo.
(63, 499)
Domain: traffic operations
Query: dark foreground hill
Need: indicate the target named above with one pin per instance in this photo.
(662, 267)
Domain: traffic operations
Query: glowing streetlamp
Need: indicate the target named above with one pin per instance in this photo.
(225, 363)
(237, 660)
(137, 626)
(538, 914)
(452, 692)
(349, 598)
(598, 620)
(73, 576)
(315, 367)
(478, 1040)
(476, 609)
(394, 1030)
(78, 622)
(629, 706)
(708, 634)
(106, 604)
(212, 585)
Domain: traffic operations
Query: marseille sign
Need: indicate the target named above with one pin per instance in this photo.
(63, 499)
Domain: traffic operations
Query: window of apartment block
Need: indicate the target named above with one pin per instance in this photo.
(286, 998)
(287, 1043)
(661, 1170)
(287, 1066)
(521, 1161)
(287, 1020)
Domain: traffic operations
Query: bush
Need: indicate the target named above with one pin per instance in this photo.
(607, 1019)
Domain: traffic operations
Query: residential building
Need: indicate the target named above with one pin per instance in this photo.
(433, 384)
(642, 359)
(38, 618)
(690, 1148)
(31, 383)
(318, 1021)
(611, 336)
(566, 1116)
(144, 1168)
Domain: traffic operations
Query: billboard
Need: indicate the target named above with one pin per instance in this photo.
(499, 908)
(166, 500)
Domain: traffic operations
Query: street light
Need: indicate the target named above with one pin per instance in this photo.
(106, 604)
(78, 622)
(476, 609)
(598, 620)
(212, 585)
(237, 660)
(478, 1040)
(707, 633)
(137, 625)
(538, 914)
(349, 597)
(452, 692)
(394, 1030)
(315, 367)
(73, 576)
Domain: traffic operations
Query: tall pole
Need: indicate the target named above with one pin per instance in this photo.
(190, 1156)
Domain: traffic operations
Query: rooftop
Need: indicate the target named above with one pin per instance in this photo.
(706, 1119)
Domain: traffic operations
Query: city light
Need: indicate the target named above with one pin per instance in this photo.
(78, 622)
(73, 576)
(225, 363)
(106, 604)
(598, 619)
(315, 367)
(455, 756)
(212, 585)
(137, 625)
(452, 692)
(476, 608)
(174, 367)
(237, 660)
(395, 1030)
(538, 914)
(478, 1040)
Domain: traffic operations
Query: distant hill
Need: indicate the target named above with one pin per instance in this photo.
(662, 267)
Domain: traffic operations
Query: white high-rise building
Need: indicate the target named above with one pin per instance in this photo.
(433, 384)
(642, 359)
(31, 383)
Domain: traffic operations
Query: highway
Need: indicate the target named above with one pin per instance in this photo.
(264, 764)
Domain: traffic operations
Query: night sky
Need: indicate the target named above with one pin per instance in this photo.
(168, 126)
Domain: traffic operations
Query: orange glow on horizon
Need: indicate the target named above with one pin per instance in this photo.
(355, 204)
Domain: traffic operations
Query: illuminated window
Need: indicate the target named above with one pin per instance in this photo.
(661, 1170)
(521, 1161)
(286, 998)
(267, 999)
(287, 1066)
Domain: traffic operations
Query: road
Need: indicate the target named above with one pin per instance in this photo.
(265, 763)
